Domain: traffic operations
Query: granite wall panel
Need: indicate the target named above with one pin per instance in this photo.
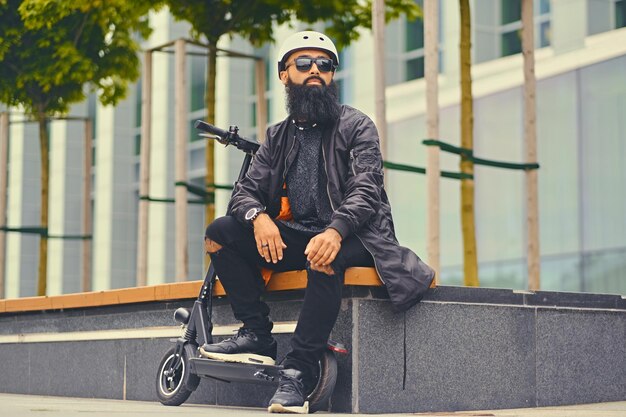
(581, 356)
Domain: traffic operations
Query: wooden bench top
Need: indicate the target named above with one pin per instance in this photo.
(280, 281)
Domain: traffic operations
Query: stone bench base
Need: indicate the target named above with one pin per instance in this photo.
(459, 349)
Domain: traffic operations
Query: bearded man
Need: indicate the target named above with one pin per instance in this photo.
(313, 199)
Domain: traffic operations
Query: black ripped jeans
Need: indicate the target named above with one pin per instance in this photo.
(237, 266)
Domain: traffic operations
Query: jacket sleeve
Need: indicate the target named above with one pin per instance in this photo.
(252, 191)
(363, 188)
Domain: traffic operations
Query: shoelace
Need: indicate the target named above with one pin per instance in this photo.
(242, 332)
(288, 384)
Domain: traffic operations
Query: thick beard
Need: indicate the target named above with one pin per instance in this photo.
(313, 104)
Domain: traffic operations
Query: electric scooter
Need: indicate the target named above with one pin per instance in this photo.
(182, 366)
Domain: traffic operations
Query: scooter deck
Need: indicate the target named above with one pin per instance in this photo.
(234, 371)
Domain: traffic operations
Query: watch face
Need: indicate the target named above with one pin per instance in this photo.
(251, 213)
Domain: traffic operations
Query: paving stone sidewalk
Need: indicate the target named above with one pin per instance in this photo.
(14, 405)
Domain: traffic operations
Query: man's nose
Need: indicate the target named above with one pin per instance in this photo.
(314, 69)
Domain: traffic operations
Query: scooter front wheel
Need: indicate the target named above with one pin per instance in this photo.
(174, 386)
(320, 396)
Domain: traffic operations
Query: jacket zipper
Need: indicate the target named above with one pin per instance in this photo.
(287, 158)
(353, 161)
(326, 171)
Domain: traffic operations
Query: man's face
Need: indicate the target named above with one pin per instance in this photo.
(313, 76)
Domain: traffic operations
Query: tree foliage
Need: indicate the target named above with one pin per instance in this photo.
(52, 50)
(255, 20)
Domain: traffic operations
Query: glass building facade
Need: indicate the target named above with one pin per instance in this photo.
(582, 184)
(581, 146)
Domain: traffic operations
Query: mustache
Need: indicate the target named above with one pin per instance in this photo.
(315, 77)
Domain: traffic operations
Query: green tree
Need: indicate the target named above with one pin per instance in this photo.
(255, 21)
(52, 53)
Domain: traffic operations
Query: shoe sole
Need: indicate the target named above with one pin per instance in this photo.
(239, 357)
(279, 408)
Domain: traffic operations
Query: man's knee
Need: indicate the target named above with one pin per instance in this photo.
(211, 246)
(218, 231)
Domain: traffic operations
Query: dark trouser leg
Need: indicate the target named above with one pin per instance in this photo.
(320, 308)
(237, 266)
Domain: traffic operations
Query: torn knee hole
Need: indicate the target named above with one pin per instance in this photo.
(210, 246)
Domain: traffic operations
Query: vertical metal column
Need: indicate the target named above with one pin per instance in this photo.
(378, 27)
(4, 161)
(87, 216)
(181, 135)
(144, 170)
(530, 134)
(431, 48)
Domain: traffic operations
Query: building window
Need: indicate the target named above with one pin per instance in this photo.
(270, 69)
(198, 67)
(197, 76)
(92, 113)
(138, 115)
(511, 29)
(498, 27)
(605, 15)
(620, 14)
(414, 47)
(412, 53)
(263, 52)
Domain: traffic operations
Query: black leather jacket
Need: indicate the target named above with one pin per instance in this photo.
(354, 168)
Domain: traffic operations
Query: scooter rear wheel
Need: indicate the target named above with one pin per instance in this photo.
(320, 396)
(176, 388)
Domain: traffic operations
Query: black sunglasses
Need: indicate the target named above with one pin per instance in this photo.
(304, 64)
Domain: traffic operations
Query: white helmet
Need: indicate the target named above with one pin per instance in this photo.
(307, 39)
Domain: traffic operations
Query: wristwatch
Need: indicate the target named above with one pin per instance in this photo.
(253, 213)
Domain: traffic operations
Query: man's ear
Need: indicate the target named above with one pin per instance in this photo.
(284, 77)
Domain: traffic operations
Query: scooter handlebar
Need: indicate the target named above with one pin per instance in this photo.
(205, 127)
(230, 137)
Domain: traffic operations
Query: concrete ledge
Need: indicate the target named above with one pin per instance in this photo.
(459, 349)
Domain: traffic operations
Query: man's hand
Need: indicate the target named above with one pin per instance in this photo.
(322, 250)
(269, 243)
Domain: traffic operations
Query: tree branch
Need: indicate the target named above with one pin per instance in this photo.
(80, 29)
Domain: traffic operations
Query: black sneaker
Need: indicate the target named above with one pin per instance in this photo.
(244, 347)
(289, 397)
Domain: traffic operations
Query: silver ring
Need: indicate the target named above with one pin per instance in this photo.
(265, 245)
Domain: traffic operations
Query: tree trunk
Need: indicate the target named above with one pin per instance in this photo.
(431, 48)
(378, 28)
(181, 139)
(210, 118)
(470, 262)
(4, 162)
(530, 136)
(43, 241)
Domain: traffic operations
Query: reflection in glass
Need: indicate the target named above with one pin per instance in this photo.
(545, 34)
(604, 272)
(198, 82)
(415, 68)
(414, 34)
(511, 11)
(544, 6)
(561, 272)
(620, 14)
(511, 43)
